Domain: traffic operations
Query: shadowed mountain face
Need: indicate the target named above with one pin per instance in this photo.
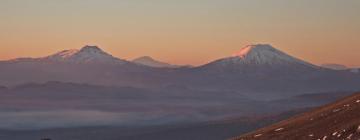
(339, 120)
(256, 71)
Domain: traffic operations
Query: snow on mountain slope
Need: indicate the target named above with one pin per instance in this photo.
(148, 61)
(265, 54)
(63, 55)
(88, 54)
(260, 55)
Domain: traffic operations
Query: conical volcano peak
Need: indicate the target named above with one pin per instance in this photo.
(257, 48)
(90, 48)
(262, 54)
(87, 54)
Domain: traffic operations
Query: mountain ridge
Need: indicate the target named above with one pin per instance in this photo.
(339, 118)
(87, 54)
(149, 61)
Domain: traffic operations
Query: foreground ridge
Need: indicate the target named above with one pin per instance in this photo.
(339, 120)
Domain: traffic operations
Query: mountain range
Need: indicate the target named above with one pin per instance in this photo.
(88, 90)
(254, 71)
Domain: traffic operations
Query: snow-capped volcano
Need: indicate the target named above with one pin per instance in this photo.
(87, 54)
(260, 55)
(264, 54)
(148, 61)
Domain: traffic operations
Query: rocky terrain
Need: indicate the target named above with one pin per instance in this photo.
(336, 121)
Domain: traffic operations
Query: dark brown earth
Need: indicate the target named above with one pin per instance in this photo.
(336, 121)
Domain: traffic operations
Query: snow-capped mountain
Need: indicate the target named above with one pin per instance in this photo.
(260, 56)
(148, 61)
(262, 68)
(87, 54)
(334, 66)
(264, 54)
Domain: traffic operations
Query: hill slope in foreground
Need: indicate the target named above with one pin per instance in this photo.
(336, 121)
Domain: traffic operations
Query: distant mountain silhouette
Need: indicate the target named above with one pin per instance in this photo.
(148, 61)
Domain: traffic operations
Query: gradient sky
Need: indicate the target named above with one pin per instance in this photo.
(183, 31)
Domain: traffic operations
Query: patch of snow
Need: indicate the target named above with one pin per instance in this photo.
(334, 133)
(336, 110)
(349, 137)
(60, 56)
(324, 138)
(357, 101)
(311, 135)
(257, 135)
(339, 135)
(279, 129)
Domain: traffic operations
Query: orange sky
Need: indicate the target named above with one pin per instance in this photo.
(183, 32)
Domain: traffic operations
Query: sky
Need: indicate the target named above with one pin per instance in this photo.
(183, 31)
